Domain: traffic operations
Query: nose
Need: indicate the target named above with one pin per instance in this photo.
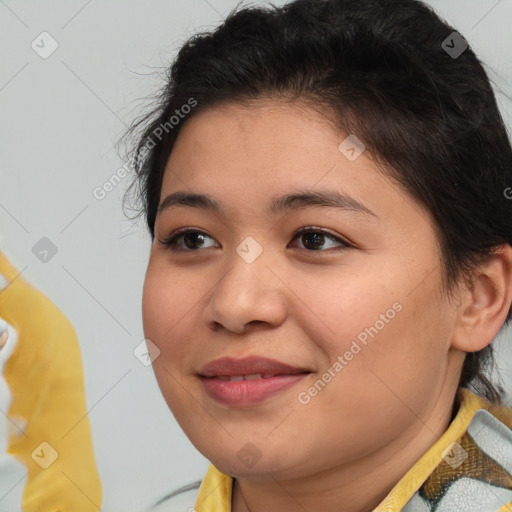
(247, 295)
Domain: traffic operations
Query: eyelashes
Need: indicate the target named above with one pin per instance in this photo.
(316, 236)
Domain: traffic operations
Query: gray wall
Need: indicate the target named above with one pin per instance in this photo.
(61, 116)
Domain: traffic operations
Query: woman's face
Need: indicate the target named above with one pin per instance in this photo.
(353, 306)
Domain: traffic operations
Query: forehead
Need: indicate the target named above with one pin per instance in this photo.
(267, 129)
(258, 141)
(259, 151)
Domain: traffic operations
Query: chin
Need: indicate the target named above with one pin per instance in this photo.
(249, 462)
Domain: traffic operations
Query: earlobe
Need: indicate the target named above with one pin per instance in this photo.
(485, 305)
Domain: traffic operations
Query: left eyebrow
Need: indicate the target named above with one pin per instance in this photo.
(278, 205)
(310, 198)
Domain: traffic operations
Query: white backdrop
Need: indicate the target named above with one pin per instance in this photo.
(61, 116)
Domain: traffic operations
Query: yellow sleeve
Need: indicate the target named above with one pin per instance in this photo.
(45, 377)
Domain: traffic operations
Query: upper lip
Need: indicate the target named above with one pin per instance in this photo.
(247, 366)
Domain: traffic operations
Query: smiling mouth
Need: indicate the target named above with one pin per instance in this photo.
(248, 381)
(250, 389)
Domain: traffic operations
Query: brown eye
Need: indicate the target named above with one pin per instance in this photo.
(192, 240)
(314, 239)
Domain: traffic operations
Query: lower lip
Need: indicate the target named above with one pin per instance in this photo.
(249, 392)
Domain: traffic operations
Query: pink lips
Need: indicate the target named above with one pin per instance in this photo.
(248, 381)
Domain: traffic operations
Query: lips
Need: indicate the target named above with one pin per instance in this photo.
(248, 381)
(248, 367)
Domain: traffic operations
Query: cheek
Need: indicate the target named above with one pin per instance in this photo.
(170, 308)
(350, 309)
(162, 309)
(397, 363)
(164, 303)
(380, 326)
(403, 356)
(153, 306)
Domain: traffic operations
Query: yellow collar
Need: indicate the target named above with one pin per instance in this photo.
(216, 488)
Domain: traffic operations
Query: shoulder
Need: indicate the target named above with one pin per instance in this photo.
(180, 500)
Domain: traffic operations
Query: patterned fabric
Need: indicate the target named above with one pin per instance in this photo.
(469, 468)
(475, 474)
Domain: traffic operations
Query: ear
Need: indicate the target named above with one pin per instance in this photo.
(484, 306)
